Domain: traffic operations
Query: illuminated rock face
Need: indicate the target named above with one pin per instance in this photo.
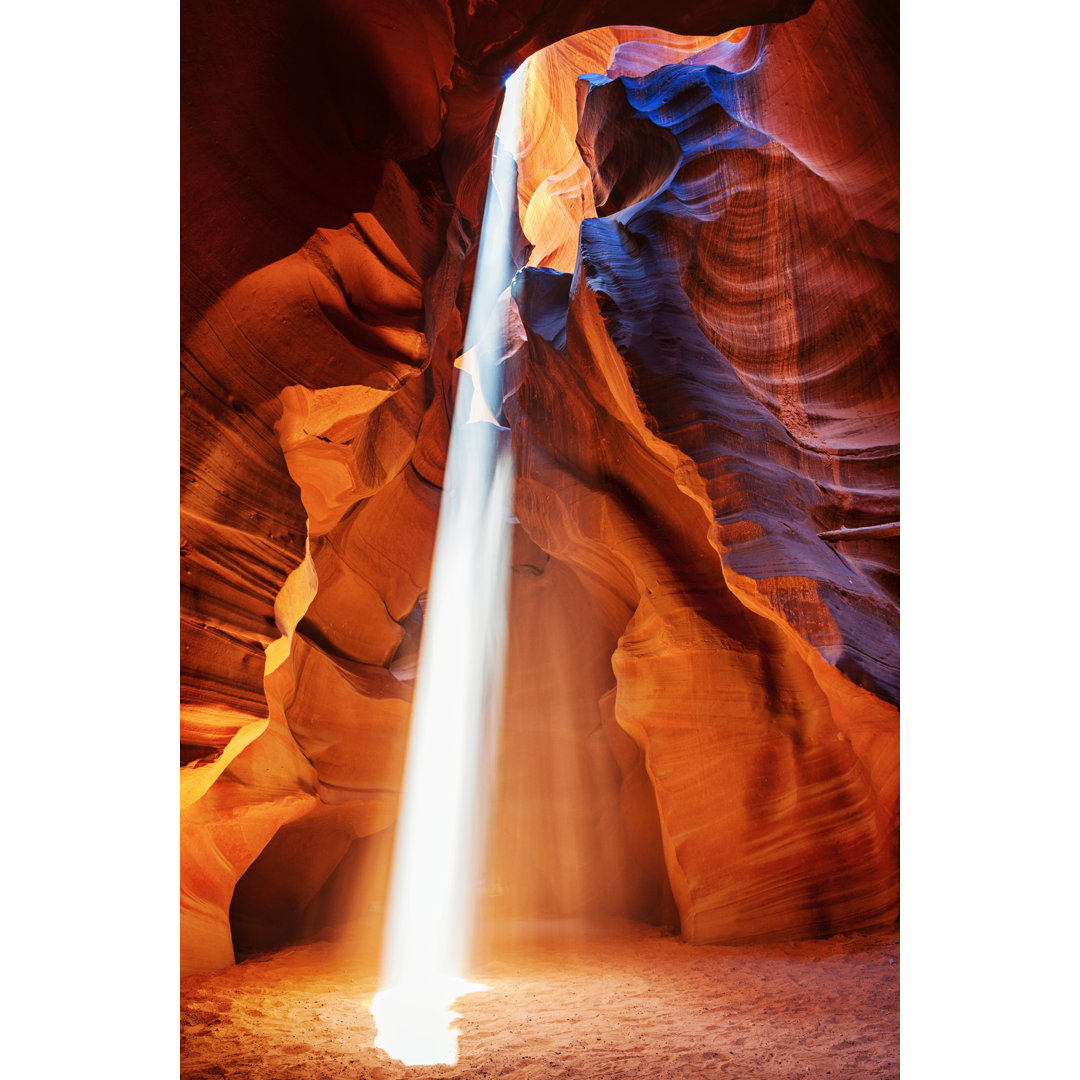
(701, 714)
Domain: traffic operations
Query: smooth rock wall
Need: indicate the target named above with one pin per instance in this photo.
(704, 415)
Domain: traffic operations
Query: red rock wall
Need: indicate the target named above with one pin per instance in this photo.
(702, 678)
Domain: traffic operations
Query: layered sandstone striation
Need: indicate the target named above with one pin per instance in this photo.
(701, 715)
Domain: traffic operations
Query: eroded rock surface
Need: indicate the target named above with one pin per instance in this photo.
(701, 714)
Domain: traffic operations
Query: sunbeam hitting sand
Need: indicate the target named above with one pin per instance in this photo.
(439, 845)
(624, 1001)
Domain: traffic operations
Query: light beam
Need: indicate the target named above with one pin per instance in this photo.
(440, 823)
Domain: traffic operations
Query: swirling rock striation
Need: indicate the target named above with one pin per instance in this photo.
(700, 719)
(726, 464)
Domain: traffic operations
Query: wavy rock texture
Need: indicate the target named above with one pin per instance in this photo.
(712, 437)
(700, 718)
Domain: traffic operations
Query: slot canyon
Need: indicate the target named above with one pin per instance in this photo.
(692, 855)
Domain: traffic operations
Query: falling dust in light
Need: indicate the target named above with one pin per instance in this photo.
(451, 740)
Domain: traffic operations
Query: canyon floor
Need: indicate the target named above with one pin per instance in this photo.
(613, 1000)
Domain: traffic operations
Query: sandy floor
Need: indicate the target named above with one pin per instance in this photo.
(630, 1001)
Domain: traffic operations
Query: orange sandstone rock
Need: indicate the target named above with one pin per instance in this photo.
(704, 435)
(702, 675)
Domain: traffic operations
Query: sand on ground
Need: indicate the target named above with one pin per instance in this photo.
(617, 999)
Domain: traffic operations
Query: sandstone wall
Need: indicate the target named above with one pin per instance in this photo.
(701, 717)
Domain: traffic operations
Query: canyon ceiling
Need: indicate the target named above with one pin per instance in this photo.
(702, 384)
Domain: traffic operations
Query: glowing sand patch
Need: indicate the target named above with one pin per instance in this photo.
(458, 688)
(416, 1022)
